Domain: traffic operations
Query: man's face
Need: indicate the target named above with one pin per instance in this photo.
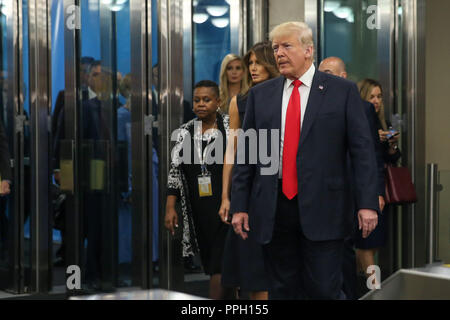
(93, 76)
(293, 59)
(84, 76)
(332, 67)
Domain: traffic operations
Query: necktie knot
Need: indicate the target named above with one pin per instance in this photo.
(297, 83)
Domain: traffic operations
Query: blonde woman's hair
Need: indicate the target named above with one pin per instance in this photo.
(224, 92)
(365, 89)
(304, 32)
(125, 86)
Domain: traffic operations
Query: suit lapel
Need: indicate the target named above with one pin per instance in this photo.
(315, 99)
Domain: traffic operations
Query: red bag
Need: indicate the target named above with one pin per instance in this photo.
(399, 186)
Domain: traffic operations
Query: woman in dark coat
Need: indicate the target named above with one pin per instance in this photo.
(243, 260)
(366, 248)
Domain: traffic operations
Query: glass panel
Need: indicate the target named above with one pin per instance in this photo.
(7, 114)
(26, 141)
(105, 135)
(444, 216)
(359, 32)
(347, 36)
(58, 133)
(211, 30)
(155, 139)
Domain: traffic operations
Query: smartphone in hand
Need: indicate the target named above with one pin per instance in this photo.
(391, 134)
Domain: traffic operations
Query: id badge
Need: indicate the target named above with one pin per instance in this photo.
(204, 186)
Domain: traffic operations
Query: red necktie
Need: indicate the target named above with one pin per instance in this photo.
(291, 140)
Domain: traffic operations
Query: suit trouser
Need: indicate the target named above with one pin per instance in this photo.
(299, 268)
(349, 270)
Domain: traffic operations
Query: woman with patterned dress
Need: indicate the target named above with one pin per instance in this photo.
(195, 179)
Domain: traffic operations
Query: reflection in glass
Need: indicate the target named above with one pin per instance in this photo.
(346, 36)
(106, 143)
(6, 121)
(24, 110)
(58, 134)
(211, 30)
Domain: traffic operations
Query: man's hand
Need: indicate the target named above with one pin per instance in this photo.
(240, 223)
(224, 210)
(381, 202)
(4, 188)
(368, 220)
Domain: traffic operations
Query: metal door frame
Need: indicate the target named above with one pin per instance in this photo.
(40, 106)
(140, 37)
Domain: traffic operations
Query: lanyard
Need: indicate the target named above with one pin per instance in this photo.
(202, 157)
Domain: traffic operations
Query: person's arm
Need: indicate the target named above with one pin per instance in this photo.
(229, 160)
(243, 175)
(174, 182)
(171, 218)
(373, 125)
(363, 161)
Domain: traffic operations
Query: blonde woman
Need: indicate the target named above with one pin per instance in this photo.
(233, 80)
(366, 248)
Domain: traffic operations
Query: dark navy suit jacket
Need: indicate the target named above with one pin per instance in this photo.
(334, 126)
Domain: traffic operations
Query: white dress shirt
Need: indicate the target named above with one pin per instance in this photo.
(304, 90)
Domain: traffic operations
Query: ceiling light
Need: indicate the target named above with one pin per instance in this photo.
(217, 11)
(343, 12)
(200, 17)
(117, 7)
(330, 6)
(351, 18)
(220, 22)
(5, 8)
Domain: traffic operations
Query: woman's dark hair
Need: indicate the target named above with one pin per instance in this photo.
(208, 84)
(264, 54)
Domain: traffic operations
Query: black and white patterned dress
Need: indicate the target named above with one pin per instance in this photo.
(203, 229)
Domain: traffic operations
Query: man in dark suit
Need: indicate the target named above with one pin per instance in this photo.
(5, 167)
(302, 213)
(335, 66)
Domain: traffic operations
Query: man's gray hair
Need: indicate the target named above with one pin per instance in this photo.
(304, 32)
